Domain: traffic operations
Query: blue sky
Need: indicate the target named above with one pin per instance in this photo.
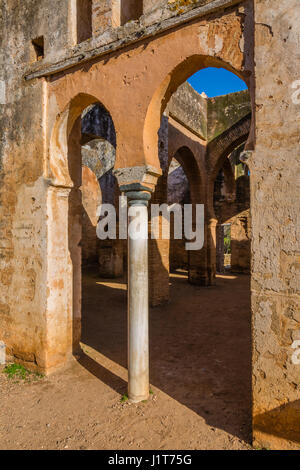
(216, 82)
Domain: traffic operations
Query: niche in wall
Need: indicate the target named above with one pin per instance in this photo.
(126, 10)
(38, 48)
(84, 12)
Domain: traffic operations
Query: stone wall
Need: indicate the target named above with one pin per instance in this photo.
(240, 243)
(208, 117)
(91, 199)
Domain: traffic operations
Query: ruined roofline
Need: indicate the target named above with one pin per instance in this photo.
(241, 92)
(188, 85)
(81, 53)
(192, 90)
(200, 114)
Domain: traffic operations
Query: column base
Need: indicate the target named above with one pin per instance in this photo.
(138, 399)
(198, 280)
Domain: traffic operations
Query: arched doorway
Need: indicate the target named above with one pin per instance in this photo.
(80, 169)
(209, 342)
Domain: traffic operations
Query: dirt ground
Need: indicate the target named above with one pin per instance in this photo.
(200, 375)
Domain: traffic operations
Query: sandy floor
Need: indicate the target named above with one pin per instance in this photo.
(200, 376)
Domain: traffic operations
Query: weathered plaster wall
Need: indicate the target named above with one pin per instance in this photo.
(190, 110)
(91, 199)
(275, 208)
(240, 243)
(28, 116)
(232, 206)
(208, 117)
(178, 193)
(178, 184)
(224, 111)
(109, 16)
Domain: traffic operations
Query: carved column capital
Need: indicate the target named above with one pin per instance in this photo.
(145, 175)
(245, 156)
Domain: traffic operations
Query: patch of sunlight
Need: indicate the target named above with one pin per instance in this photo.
(226, 276)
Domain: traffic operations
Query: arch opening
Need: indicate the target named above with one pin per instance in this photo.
(82, 159)
(233, 215)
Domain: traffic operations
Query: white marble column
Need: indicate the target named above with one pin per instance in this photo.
(138, 286)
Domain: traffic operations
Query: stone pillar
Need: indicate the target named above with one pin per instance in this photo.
(220, 248)
(110, 257)
(211, 252)
(138, 288)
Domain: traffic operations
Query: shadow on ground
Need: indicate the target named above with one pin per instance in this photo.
(200, 345)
